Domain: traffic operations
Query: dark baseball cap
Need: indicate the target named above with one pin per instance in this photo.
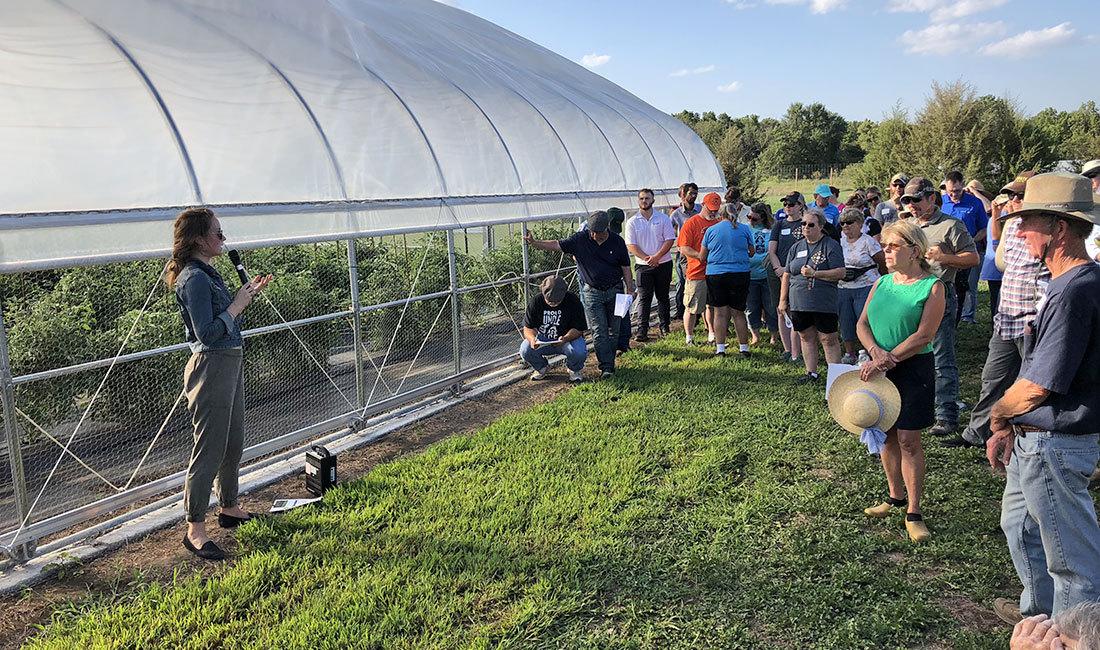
(918, 187)
(553, 289)
(599, 221)
(794, 197)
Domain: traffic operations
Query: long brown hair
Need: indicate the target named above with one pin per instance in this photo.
(191, 225)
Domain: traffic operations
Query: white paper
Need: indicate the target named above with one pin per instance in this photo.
(787, 320)
(836, 370)
(542, 343)
(282, 505)
(623, 301)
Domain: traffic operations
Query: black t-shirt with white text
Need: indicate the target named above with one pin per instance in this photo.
(552, 323)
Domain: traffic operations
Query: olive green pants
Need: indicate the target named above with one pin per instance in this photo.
(214, 384)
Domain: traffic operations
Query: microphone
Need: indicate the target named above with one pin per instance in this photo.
(235, 257)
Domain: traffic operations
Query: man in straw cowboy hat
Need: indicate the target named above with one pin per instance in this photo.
(1046, 427)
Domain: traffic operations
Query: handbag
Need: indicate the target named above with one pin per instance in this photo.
(851, 273)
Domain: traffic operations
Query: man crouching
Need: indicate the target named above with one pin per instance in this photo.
(554, 324)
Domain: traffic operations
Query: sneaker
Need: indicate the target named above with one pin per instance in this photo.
(540, 374)
(786, 355)
(1007, 610)
(956, 442)
(943, 428)
(642, 337)
(848, 359)
(962, 405)
(606, 374)
(745, 353)
(720, 354)
(808, 378)
(575, 375)
(918, 532)
(710, 337)
(663, 331)
(689, 340)
(797, 360)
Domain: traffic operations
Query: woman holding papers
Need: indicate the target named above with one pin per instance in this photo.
(897, 326)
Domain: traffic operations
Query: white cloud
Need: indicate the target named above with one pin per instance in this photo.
(1031, 42)
(816, 6)
(942, 11)
(948, 39)
(685, 72)
(739, 4)
(594, 60)
(729, 88)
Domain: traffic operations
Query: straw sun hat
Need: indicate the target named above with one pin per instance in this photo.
(1060, 193)
(868, 408)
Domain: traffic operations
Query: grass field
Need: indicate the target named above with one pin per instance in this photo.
(690, 502)
(776, 188)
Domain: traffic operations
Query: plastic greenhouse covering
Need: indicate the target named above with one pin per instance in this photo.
(301, 120)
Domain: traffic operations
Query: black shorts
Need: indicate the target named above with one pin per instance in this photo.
(825, 322)
(728, 290)
(916, 381)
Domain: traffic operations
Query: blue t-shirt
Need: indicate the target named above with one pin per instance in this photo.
(970, 210)
(760, 238)
(727, 248)
(832, 213)
(781, 215)
(989, 266)
(1062, 354)
(599, 265)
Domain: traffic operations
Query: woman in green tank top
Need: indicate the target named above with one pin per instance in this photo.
(902, 315)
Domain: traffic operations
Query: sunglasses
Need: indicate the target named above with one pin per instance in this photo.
(220, 235)
(1092, 174)
(1014, 195)
(848, 223)
(906, 200)
(898, 184)
(809, 225)
(891, 246)
(873, 199)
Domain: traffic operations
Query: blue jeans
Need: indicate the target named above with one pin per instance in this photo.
(947, 368)
(575, 353)
(623, 341)
(851, 303)
(599, 308)
(970, 305)
(760, 304)
(1049, 520)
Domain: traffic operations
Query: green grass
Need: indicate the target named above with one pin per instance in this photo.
(690, 502)
(775, 189)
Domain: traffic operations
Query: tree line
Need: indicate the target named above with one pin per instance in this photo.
(984, 137)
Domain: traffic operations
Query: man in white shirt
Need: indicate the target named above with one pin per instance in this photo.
(649, 238)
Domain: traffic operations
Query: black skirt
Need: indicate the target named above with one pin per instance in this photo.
(916, 381)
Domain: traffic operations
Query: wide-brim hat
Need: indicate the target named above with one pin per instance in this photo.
(857, 405)
(1059, 193)
(1018, 184)
(976, 186)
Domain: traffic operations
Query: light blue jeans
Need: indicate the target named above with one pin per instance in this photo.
(947, 368)
(851, 304)
(1049, 520)
(599, 308)
(970, 306)
(575, 352)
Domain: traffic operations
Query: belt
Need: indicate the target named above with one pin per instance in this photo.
(606, 286)
(1023, 429)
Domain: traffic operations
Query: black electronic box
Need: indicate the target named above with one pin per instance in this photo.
(320, 470)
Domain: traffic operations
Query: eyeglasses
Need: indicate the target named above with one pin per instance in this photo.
(906, 200)
(891, 246)
(1014, 195)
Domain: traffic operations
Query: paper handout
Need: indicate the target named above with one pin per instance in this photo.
(623, 301)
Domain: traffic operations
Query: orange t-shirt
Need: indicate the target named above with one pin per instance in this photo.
(692, 235)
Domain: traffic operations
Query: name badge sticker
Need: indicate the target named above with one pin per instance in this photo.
(800, 254)
(785, 231)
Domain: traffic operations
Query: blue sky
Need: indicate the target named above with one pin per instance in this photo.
(858, 57)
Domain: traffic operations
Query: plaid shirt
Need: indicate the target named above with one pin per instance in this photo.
(1024, 283)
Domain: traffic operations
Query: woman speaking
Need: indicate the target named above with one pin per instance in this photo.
(213, 379)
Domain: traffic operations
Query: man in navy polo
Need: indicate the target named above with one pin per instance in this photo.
(970, 210)
(603, 263)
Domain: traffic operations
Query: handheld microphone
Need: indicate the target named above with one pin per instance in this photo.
(235, 257)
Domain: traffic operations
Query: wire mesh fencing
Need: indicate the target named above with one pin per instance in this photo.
(96, 356)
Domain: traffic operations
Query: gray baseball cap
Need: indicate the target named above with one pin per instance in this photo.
(599, 221)
(553, 289)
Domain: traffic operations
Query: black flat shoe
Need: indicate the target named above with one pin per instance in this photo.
(229, 521)
(209, 550)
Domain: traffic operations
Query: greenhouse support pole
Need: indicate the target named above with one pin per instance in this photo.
(356, 326)
(456, 332)
(526, 266)
(24, 551)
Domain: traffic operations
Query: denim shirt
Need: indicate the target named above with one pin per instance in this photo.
(203, 298)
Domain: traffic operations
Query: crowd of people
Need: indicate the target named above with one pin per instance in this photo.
(883, 282)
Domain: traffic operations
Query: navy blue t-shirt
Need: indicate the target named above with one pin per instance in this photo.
(599, 265)
(1062, 354)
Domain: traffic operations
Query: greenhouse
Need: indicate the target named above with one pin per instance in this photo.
(379, 158)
